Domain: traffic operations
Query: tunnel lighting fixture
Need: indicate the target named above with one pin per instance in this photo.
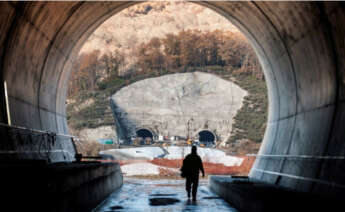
(7, 105)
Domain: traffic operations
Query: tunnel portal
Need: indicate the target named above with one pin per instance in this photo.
(206, 137)
(144, 133)
(177, 113)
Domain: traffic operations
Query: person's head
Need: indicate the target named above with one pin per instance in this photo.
(193, 149)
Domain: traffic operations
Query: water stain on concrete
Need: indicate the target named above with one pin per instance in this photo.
(142, 195)
(162, 195)
(163, 201)
(212, 197)
(166, 185)
(116, 207)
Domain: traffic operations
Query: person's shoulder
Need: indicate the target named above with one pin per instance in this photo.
(195, 156)
(188, 156)
(198, 157)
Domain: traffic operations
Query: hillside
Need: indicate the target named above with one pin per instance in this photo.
(144, 21)
(140, 23)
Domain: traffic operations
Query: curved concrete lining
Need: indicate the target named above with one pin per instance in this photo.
(300, 46)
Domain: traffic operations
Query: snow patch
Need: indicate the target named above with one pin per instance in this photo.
(148, 153)
(140, 169)
(206, 154)
(174, 152)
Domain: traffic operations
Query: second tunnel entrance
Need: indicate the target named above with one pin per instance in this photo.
(206, 137)
(145, 135)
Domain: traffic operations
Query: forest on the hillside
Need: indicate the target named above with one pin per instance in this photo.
(97, 76)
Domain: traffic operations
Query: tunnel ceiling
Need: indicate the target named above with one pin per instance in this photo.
(300, 46)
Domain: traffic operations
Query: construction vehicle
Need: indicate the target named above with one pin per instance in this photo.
(189, 141)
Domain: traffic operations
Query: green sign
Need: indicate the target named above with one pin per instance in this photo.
(106, 141)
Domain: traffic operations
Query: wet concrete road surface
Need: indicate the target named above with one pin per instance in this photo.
(161, 196)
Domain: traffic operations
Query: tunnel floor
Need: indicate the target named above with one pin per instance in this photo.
(161, 195)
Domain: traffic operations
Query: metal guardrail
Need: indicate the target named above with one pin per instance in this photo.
(73, 139)
(32, 132)
(298, 157)
(37, 131)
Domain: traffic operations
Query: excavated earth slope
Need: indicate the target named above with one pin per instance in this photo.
(172, 104)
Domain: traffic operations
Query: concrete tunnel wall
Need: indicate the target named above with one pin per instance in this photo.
(300, 46)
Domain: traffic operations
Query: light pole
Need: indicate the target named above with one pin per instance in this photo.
(189, 122)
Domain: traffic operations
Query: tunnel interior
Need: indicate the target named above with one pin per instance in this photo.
(300, 46)
(144, 133)
(206, 137)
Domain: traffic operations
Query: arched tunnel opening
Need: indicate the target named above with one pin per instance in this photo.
(144, 133)
(300, 46)
(206, 137)
(145, 136)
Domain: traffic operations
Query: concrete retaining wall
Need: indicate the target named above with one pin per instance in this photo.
(250, 195)
(61, 187)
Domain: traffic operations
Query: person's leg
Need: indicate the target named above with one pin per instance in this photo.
(195, 187)
(188, 186)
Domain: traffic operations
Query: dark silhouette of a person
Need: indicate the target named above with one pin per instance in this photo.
(192, 164)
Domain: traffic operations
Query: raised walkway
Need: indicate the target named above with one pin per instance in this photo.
(248, 195)
(37, 186)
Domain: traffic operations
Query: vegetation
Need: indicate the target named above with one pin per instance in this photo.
(250, 120)
(226, 54)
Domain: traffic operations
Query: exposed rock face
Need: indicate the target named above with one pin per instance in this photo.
(177, 105)
(94, 134)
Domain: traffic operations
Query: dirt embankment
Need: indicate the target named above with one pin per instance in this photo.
(170, 168)
(211, 168)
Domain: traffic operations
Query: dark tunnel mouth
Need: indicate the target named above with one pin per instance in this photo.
(206, 137)
(144, 133)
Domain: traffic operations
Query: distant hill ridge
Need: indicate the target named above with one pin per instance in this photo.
(144, 21)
